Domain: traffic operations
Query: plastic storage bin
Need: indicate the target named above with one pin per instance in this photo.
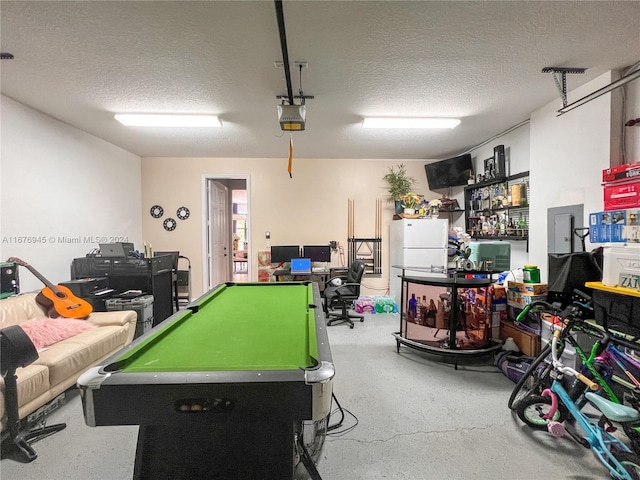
(621, 266)
(142, 305)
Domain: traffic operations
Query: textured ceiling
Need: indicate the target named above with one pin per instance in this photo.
(83, 61)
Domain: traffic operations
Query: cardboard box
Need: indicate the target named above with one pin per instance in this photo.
(621, 173)
(520, 300)
(631, 231)
(528, 288)
(623, 195)
(607, 226)
(499, 295)
(528, 343)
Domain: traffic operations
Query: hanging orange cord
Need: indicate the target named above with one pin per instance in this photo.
(290, 155)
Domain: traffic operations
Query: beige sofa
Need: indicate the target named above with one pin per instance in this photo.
(59, 365)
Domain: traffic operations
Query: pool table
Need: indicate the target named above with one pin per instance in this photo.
(221, 388)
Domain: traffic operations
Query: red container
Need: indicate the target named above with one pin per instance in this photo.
(622, 195)
(621, 173)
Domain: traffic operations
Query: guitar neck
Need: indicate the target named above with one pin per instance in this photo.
(39, 276)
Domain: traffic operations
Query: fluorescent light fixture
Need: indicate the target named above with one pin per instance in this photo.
(382, 122)
(167, 120)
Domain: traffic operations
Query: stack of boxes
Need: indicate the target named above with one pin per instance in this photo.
(519, 295)
(620, 220)
(525, 333)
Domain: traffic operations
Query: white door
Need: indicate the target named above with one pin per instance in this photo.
(218, 234)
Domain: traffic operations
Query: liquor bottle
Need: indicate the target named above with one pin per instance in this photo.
(413, 307)
(523, 194)
(511, 229)
(515, 195)
(522, 225)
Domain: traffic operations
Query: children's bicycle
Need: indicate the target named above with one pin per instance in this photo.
(604, 358)
(536, 378)
(542, 412)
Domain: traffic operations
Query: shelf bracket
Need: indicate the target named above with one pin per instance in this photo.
(560, 77)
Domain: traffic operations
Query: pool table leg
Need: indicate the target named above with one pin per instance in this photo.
(230, 451)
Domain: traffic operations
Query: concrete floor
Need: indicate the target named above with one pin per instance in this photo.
(418, 418)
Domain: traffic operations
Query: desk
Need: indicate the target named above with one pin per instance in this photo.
(221, 387)
(322, 275)
(417, 336)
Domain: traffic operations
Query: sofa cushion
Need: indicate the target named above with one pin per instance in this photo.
(47, 331)
(33, 381)
(70, 356)
(18, 309)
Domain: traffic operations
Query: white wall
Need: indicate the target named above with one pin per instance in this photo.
(310, 208)
(61, 191)
(568, 154)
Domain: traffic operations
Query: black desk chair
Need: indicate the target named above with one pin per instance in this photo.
(17, 350)
(342, 296)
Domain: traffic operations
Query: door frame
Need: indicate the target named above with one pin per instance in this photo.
(206, 219)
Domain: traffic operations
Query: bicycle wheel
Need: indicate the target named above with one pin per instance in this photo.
(531, 410)
(630, 462)
(633, 434)
(534, 380)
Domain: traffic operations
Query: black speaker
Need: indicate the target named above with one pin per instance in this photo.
(9, 280)
(499, 160)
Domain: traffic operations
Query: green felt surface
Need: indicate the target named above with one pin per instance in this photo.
(238, 327)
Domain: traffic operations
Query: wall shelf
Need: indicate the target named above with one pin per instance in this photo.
(498, 209)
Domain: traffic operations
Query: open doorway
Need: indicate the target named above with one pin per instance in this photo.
(240, 267)
(227, 254)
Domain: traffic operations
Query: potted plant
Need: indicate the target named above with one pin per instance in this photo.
(399, 184)
(410, 202)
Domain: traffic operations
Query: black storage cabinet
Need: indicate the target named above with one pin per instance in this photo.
(150, 275)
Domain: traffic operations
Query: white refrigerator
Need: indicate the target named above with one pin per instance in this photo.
(416, 243)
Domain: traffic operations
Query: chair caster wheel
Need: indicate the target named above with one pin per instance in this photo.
(362, 319)
(350, 326)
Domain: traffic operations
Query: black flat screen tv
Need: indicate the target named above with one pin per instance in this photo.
(284, 253)
(317, 253)
(451, 172)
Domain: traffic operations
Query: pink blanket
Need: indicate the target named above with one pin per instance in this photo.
(47, 331)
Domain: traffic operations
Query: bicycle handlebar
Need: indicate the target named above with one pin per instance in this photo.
(568, 370)
(592, 385)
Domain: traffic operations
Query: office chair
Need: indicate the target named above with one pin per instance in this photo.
(342, 296)
(17, 350)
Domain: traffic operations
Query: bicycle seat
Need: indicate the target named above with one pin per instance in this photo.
(613, 411)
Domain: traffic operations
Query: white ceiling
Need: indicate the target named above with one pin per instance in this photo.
(83, 61)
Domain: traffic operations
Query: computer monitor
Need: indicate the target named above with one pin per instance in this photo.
(317, 253)
(284, 253)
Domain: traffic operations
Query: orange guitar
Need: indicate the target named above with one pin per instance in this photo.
(57, 299)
